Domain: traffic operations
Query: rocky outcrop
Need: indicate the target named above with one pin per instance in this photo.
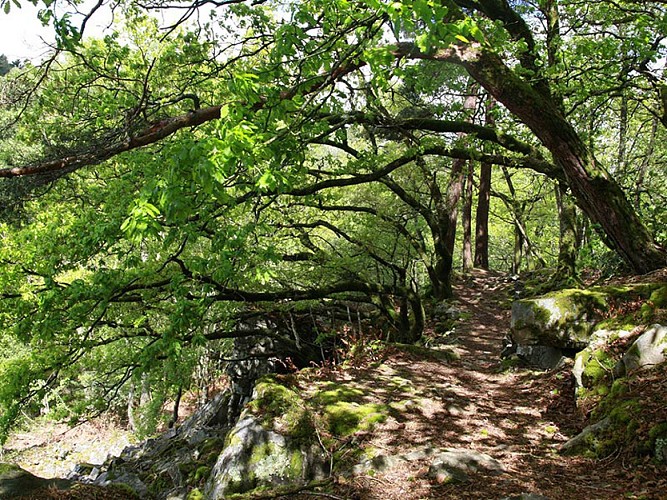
(171, 464)
(602, 328)
(569, 321)
(563, 319)
(256, 456)
(274, 443)
(594, 363)
(580, 442)
(16, 482)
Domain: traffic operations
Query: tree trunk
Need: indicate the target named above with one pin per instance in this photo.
(517, 254)
(442, 270)
(566, 271)
(596, 192)
(131, 422)
(177, 405)
(455, 186)
(466, 221)
(643, 167)
(623, 134)
(483, 204)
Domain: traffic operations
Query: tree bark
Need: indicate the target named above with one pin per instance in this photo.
(566, 271)
(643, 167)
(466, 221)
(484, 203)
(595, 191)
(598, 195)
(455, 187)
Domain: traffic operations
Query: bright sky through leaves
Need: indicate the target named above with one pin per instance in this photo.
(22, 35)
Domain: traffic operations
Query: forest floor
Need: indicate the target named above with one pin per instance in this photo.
(517, 416)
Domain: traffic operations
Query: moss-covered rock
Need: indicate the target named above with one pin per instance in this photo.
(568, 318)
(258, 457)
(592, 366)
(282, 409)
(284, 431)
(345, 418)
(563, 319)
(274, 443)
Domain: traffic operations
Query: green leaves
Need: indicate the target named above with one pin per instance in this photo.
(142, 221)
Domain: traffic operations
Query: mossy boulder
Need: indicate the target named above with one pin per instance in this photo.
(563, 319)
(344, 418)
(258, 457)
(566, 319)
(593, 365)
(274, 443)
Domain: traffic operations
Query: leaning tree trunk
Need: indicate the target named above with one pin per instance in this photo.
(597, 193)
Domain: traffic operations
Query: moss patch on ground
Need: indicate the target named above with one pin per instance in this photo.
(283, 408)
(327, 413)
(6, 469)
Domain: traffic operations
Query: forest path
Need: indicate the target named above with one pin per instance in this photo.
(517, 417)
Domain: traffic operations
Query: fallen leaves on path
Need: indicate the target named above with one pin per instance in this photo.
(517, 417)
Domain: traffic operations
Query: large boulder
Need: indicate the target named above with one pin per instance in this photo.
(566, 319)
(274, 443)
(593, 364)
(543, 357)
(259, 457)
(563, 319)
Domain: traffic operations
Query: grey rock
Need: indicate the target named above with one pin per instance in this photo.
(128, 479)
(445, 465)
(563, 321)
(95, 473)
(420, 454)
(177, 494)
(380, 463)
(540, 356)
(648, 350)
(212, 414)
(468, 461)
(15, 482)
(600, 341)
(445, 310)
(453, 465)
(441, 473)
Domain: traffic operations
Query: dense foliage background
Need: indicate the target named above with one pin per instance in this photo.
(164, 183)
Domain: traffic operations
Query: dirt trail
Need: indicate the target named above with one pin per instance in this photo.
(516, 417)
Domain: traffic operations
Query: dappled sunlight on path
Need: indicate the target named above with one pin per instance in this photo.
(517, 417)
